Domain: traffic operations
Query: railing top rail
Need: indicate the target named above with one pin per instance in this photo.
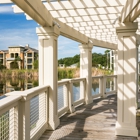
(100, 76)
(63, 81)
(8, 102)
(111, 76)
(78, 79)
(30, 92)
(66, 81)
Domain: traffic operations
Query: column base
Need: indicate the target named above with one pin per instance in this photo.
(127, 131)
(89, 101)
(71, 110)
(104, 96)
(53, 125)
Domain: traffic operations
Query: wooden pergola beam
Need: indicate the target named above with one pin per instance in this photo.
(5, 1)
(130, 11)
(22, 4)
(41, 11)
(103, 44)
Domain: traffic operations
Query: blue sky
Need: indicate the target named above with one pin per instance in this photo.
(16, 30)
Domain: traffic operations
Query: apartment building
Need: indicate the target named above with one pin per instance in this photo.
(18, 57)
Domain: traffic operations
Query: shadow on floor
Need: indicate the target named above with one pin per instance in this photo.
(95, 121)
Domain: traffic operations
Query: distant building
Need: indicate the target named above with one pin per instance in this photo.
(73, 65)
(61, 65)
(23, 57)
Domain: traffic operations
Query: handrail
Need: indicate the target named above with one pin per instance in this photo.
(111, 76)
(77, 79)
(100, 76)
(30, 93)
(69, 103)
(102, 85)
(32, 104)
(8, 102)
(62, 82)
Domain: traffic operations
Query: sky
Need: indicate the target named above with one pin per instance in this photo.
(16, 30)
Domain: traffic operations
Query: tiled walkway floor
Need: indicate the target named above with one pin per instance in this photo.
(95, 121)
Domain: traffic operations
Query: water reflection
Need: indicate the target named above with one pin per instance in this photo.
(17, 84)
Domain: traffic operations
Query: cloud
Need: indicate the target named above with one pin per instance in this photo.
(61, 48)
(12, 37)
(6, 9)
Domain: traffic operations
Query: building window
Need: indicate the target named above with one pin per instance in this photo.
(1, 61)
(16, 55)
(29, 54)
(12, 55)
(29, 66)
(1, 55)
(29, 60)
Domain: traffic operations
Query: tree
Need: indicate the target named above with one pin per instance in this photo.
(14, 65)
(97, 58)
(2, 66)
(35, 64)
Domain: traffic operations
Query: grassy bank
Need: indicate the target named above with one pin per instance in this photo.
(75, 72)
(62, 73)
(19, 73)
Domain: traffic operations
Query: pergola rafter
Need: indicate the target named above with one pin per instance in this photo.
(95, 19)
(130, 11)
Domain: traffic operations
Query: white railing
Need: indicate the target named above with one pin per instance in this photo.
(24, 114)
(9, 117)
(68, 96)
(24, 117)
(105, 85)
(111, 84)
(71, 92)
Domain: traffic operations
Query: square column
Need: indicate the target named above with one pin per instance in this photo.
(48, 69)
(86, 69)
(115, 62)
(127, 83)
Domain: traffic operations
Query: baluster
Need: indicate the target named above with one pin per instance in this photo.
(104, 87)
(24, 120)
(101, 90)
(66, 96)
(71, 100)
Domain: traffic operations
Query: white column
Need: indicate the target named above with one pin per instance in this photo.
(86, 69)
(126, 115)
(115, 61)
(115, 68)
(111, 51)
(48, 68)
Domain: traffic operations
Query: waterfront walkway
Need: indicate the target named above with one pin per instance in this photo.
(95, 121)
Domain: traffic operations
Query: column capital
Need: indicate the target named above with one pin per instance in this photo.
(126, 27)
(46, 32)
(86, 46)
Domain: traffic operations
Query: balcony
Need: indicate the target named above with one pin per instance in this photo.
(29, 61)
(29, 54)
(1, 56)
(25, 114)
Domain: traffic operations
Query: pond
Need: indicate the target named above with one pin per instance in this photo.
(17, 84)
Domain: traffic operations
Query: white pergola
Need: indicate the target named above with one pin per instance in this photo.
(112, 24)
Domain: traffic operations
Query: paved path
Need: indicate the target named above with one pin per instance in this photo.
(95, 121)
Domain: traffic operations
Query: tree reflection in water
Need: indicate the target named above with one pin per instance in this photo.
(17, 84)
